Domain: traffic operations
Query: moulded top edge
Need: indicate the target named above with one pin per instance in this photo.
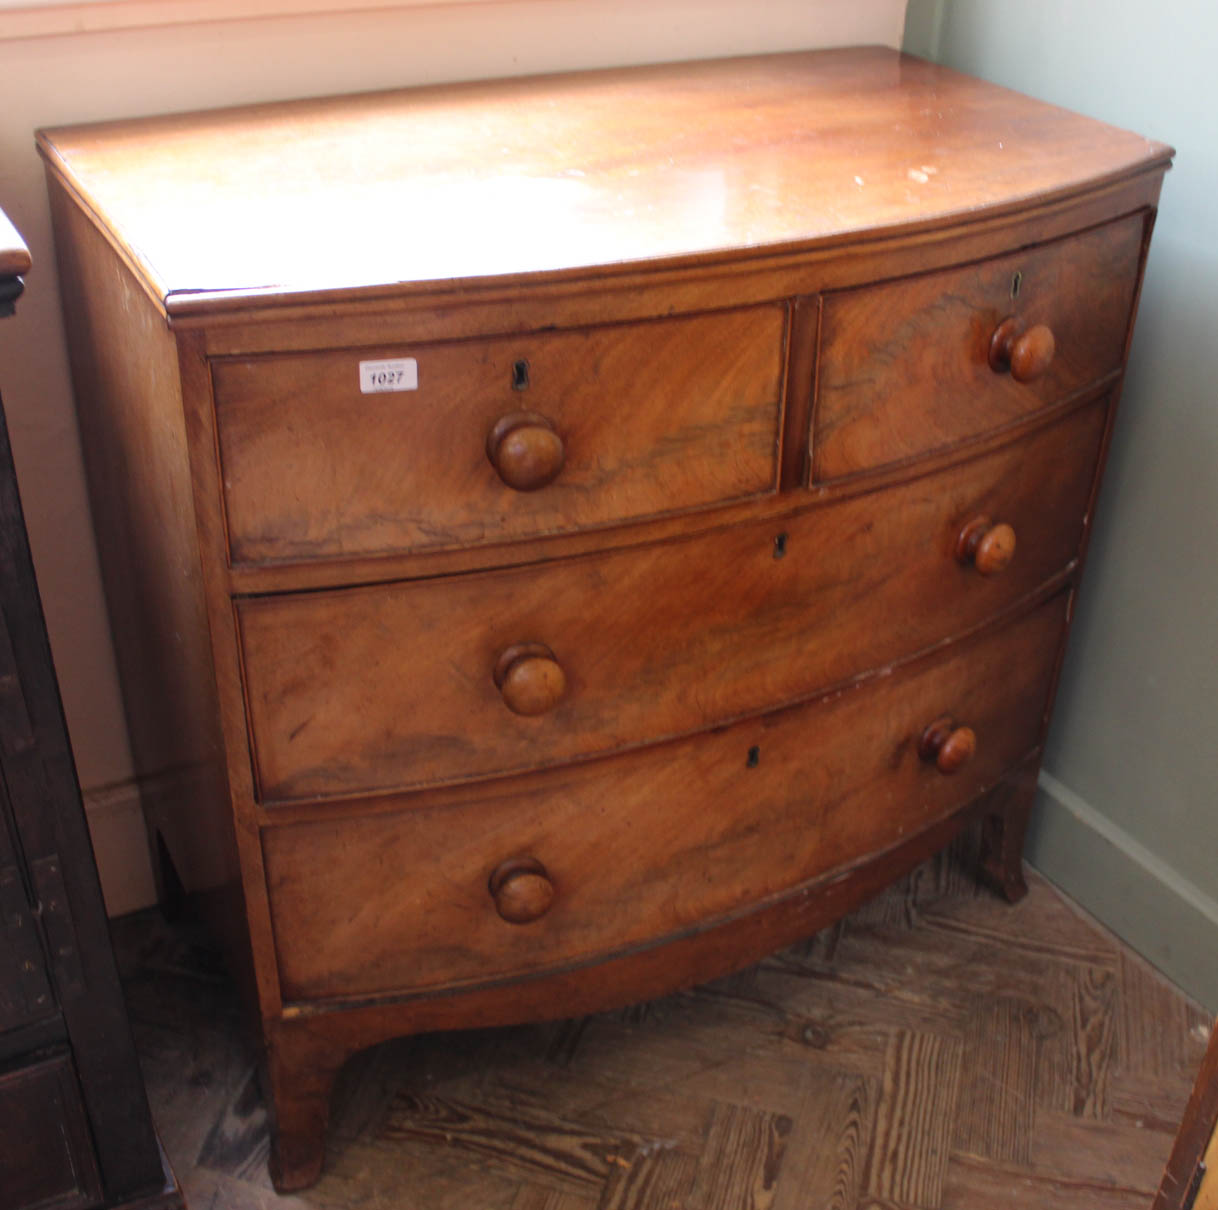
(563, 174)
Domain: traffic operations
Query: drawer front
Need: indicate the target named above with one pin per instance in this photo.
(644, 418)
(46, 1156)
(394, 686)
(905, 367)
(645, 845)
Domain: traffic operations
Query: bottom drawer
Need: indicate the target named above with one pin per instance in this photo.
(46, 1157)
(632, 849)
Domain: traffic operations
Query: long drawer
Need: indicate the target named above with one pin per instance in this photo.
(395, 686)
(639, 847)
(912, 366)
(424, 447)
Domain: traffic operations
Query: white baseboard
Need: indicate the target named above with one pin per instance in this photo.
(1147, 903)
(120, 844)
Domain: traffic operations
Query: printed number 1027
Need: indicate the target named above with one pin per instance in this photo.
(400, 374)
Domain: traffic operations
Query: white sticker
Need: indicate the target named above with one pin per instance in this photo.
(398, 374)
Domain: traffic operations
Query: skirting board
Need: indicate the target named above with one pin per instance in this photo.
(1149, 905)
(115, 816)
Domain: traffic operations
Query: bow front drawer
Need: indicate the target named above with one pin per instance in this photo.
(535, 873)
(371, 451)
(912, 366)
(402, 685)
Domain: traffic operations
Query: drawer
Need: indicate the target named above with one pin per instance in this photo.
(46, 1153)
(637, 848)
(631, 420)
(394, 686)
(905, 367)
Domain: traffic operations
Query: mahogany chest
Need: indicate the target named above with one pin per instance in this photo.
(568, 537)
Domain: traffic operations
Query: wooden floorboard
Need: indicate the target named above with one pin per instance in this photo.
(915, 1114)
(937, 1049)
(995, 1116)
(828, 1147)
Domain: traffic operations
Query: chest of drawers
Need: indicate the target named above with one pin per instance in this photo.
(568, 537)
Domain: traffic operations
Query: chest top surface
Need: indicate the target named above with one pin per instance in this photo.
(555, 175)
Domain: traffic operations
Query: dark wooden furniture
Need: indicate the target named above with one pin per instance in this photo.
(1190, 1178)
(75, 1130)
(579, 534)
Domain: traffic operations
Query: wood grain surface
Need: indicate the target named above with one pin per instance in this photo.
(563, 173)
(654, 418)
(136, 446)
(904, 368)
(400, 901)
(388, 687)
(1195, 1144)
(46, 1152)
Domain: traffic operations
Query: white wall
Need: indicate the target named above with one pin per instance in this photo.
(1128, 820)
(79, 77)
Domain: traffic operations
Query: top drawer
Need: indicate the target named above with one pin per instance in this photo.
(644, 418)
(906, 367)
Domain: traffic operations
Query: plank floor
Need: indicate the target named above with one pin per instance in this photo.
(937, 1049)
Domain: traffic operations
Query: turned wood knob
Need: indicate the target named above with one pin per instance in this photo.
(988, 547)
(1025, 354)
(526, 451)
(530, 678)
(948, 745)
(522, 890)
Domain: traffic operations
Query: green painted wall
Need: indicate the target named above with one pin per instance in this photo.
(1128, 823)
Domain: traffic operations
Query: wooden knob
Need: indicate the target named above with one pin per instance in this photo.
(1026, 355)
(522, 890)
(526, 451)
(530, 678)
(948, 745)
(988, 547)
